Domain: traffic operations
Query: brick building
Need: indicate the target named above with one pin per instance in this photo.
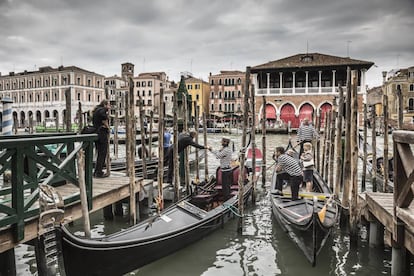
(303, 85)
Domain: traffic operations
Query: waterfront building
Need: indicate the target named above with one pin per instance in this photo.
(117, 88)
(41, 95)
(199, 91)
(400, 80)
(226, 96)
(304, 85)
(147, 88)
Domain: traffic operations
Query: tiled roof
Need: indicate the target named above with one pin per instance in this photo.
(312, 60)
(229, 73)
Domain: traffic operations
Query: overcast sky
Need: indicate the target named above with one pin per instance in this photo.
(202, 36)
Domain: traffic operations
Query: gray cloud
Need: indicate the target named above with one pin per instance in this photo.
(201, 36)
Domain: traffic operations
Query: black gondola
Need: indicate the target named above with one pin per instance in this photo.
(308, 220)
(181, 224)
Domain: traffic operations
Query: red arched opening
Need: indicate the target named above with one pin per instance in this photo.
(270, 112)
(287, 114)
(306, 111)
(325, 108)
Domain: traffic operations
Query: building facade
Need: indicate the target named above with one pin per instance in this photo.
(303, 85)
(147, 87)
(199, 91)
(400, 80)
(227, 91)
(41, 94)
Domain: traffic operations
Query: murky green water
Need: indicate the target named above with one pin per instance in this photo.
(262, 249)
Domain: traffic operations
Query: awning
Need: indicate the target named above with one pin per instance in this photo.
(270, 112)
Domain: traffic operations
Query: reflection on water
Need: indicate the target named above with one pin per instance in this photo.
(262, 249)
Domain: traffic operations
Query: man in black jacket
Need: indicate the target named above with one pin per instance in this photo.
(184, 140)
(100, 121)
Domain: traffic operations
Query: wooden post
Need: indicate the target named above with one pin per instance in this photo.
(385, 157)
(318, 143)
(151, 127)
(175, 151)
(8, 263)
(68, 98)
(79, 116)
(322, 170)
(263, 137)
(354, 159)
(197, 164)
(143, 147)
(332, 148)
(400, 108)
(338, 142)
(116, 127)
(374, 150)
(31, 123)
(131, 136)
(327, 141)
(187, 149)
(243, 145)
(364, 148)
(82, 190)
(160, 176)
(347, 151)
(205, 145)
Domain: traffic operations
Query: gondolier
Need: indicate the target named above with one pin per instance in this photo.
(225, 156)
(287, 168)
(306, 133)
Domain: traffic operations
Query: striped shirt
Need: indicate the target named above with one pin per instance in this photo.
(289, 164)
(224, 155)
(306, 133)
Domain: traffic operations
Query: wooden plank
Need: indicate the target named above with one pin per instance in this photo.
(380, 205)
(112, 189)
(407, 216)
(403, 136)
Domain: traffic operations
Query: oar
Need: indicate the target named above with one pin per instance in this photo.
(319, 196)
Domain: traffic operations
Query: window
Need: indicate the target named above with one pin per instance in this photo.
(90, 97)
(89, 82)
(149, 93)
(219, 107)
(143, 92)
(197, 97)
(55, 96)
(411, 104)
(212, 95)
(150, 102)
(197, 86)
(411, 87)
(220, 95)
(78, 97)
(137, 93)
(78, 81)
(212, 107)
(143, 84)
(212, 82)
(138, 84)
(149, 83)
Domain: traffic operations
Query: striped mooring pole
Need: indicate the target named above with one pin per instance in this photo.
(7, 123)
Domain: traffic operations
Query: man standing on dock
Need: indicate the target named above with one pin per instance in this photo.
(100, 121)
(306, 133)
(184, 140)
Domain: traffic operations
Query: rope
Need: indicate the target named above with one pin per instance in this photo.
(232, 209)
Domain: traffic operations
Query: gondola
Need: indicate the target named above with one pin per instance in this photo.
(181, 224)
(309, 219)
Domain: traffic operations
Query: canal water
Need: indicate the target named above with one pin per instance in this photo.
(262, 249)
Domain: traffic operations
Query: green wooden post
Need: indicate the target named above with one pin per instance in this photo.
(17, 192)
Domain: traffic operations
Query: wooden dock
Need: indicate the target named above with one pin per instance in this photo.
(106, 191)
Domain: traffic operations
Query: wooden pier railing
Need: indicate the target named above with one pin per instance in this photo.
(403, 189)
(31, 160)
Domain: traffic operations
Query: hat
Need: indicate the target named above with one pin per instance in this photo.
(226, 140)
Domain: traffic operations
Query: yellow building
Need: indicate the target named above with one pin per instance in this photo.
(199, 91)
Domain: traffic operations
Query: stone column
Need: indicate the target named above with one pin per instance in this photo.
(293, 82)
(281, 82)
(307, 80)
(333, 80)
(268, 84)
(320, 82)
